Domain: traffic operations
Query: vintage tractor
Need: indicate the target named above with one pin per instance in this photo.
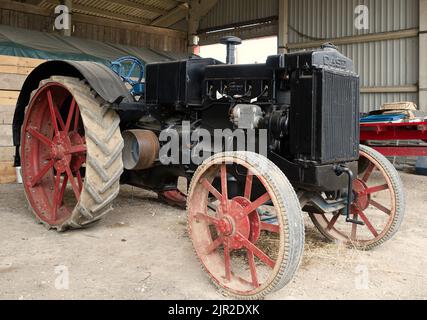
(80, 133)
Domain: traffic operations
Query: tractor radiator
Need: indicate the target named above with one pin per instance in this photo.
(324, 126)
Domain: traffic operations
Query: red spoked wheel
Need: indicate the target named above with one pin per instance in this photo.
(378, 203)
(249, 247)
(61, 162)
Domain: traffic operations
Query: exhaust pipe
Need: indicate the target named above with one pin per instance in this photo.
(231, 43)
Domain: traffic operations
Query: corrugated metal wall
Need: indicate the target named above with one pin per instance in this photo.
(388, 63)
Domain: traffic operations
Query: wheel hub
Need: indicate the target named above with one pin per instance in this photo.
(235, 223)
(361, 199)
(61, 145)
(226, 226)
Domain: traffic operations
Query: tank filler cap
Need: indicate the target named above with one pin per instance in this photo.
(329, 45)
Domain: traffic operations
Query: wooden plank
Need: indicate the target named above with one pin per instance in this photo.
(9, 94)
(6, 114)
(7, 153)
(10, 81)
(6, 135)
(16, 70)
(8, 101)
(7, 172)
(20, 61)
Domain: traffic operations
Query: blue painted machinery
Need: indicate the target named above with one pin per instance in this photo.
(131, 70)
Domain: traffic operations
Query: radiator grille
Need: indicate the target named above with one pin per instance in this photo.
(339, 124)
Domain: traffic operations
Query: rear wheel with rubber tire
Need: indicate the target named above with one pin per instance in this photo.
(71, 154)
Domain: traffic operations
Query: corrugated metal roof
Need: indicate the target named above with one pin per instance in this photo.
(234, 12)
(146, 10)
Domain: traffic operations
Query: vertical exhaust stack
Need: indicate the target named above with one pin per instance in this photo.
(231, 43)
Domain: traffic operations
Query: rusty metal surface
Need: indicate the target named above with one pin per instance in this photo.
(141, 149)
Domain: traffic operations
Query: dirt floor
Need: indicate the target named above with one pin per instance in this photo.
(142, 251)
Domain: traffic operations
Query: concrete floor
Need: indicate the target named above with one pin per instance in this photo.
(141, 251)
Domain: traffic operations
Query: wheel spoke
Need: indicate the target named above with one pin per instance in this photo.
(131, 70)
(224, 183)
(333, 221)
(212, 190)
(55, 201)
(52, 111)
(43, 139)
(252, 267)
(375, 189)
(76, 118)
(257, 251)
(248, 186)
(368, 172)
(73, 183)
(58, 116)
(257, 203)
(64, 187)
(215, 245)
(70, 116)
(77, 149)
(380, 207)
(274, 228)
(367, 223)
(42, 173)
(227, 260)
(210, 219)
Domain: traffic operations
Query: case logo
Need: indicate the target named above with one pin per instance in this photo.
(334, 62)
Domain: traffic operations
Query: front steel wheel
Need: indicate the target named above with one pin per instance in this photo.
(379, 203)
(252, 244)
(71, 154)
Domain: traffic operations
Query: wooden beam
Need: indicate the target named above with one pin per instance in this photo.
(177, 14)
(393, 35)
(390, 89)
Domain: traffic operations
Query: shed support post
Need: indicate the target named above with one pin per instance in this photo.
(198, 9)
(282, 38)
(423, 56)
(68, 31)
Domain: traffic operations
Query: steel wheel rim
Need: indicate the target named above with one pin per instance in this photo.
(215, 262)
(53, 151)
(364, 202)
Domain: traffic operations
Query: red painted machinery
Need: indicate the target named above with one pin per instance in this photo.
(403, 131)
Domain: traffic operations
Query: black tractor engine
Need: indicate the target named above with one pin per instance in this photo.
(306, 102)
